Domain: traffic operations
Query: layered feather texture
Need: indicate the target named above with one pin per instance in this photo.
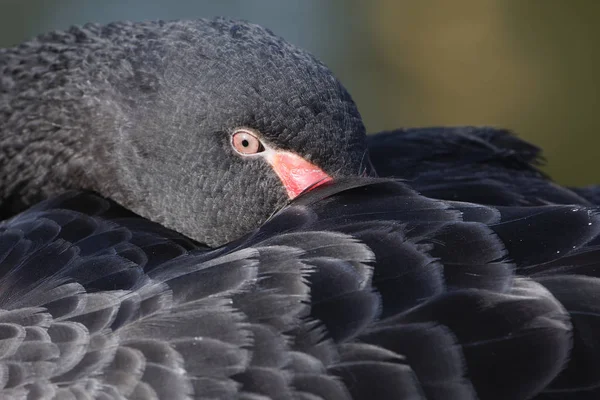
(359, 290)
(478, 164)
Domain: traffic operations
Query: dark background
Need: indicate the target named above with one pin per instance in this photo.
(531, 66)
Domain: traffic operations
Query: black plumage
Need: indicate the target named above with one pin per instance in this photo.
(477, 164)
(480, 284)
(410, 299)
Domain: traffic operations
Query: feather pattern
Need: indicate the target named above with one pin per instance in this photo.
(358, 289)
(476, 164)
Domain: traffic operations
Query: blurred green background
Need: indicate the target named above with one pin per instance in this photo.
(530, 66)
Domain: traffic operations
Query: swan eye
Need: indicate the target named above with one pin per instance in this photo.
(246, 142)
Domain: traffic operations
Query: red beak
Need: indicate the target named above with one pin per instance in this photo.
(296, 173)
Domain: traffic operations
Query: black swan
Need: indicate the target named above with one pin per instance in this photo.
(191, 212)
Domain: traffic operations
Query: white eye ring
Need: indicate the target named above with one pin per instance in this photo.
(246, 142)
